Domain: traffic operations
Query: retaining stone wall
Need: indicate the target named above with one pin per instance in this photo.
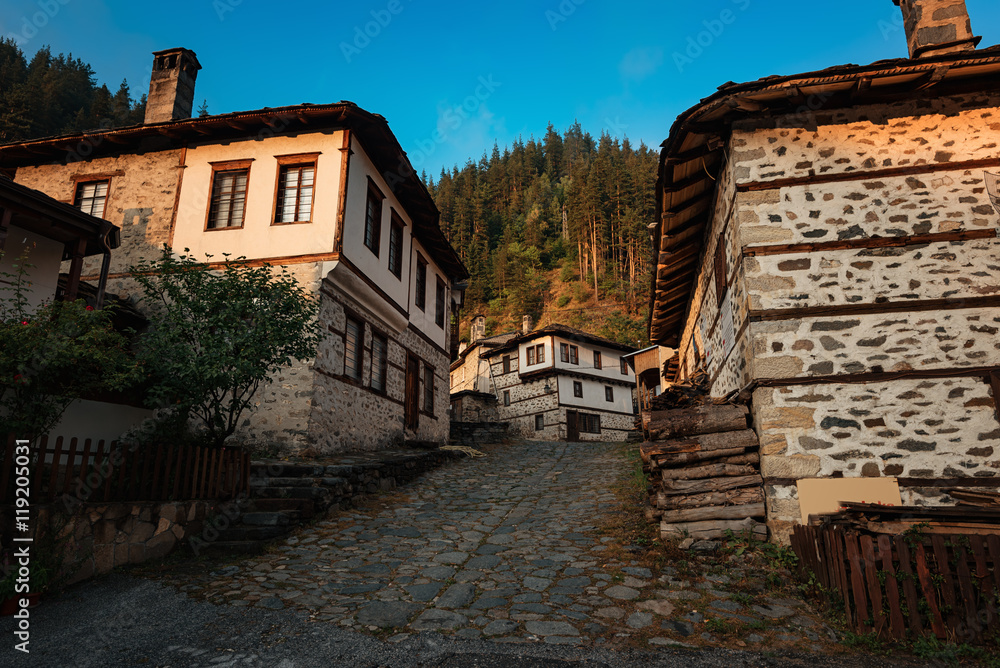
(472, 434)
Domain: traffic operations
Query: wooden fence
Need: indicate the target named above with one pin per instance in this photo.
(100, 472)
(948, 585)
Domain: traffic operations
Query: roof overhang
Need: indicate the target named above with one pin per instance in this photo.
(372, 131)
(692, 156)
(37, 212)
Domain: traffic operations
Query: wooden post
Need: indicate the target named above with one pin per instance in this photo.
(75, 269)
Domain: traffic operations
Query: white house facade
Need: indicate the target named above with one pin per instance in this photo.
(559, 383)
(322, 190)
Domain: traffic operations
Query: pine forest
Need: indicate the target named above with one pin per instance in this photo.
(556, 229)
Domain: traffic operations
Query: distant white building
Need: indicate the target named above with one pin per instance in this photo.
(554, 383)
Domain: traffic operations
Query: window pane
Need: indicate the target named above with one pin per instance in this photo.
(229, 190)
(352, 349)
(379, 363)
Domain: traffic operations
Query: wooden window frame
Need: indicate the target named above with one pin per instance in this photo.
(578, 389)
(360, 357)
(539, 422)
(82, 183)
(440, 295)
(427, 382)
(506, 397)
(564, 352)
(589, 423)
(396, 226)
(574, 355)
(286, 162)
(609, 393)
(597, 360)
(720, 270)
(506, 363)
(420, 284)
(540, 353)
(624, 365)
(384, 375)
(373, 194)
(228, 166)
(530, 354)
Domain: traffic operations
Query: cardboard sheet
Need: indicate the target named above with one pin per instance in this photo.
(824, 495)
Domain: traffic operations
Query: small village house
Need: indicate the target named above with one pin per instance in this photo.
(473, 391)
(43, 233)
(553, 383)
(324, 190)
(826, 247)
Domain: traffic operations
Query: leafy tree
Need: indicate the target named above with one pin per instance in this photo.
(217, 334)
(53, 355)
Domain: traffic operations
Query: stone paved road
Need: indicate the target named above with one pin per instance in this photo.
(487, 562)
(503, 547)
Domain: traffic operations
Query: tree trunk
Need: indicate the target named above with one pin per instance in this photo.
(695, 420)
(708, 471)
(712, 530)
(730, 497)
(673, 487)
(714, 513)
(726, 440)
(733, 456)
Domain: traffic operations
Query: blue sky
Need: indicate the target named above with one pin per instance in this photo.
(477, 71)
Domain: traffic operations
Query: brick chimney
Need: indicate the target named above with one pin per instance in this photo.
(171, 86)
(937, 27)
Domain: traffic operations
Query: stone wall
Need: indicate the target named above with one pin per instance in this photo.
(346, 415)
(103, 536)
(703, 343)
(140, 201)
(859, 139)
(471, 434)
(479, 407)
(875, 307)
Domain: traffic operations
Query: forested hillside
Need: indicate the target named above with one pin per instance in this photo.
(53, 95)
(557, 229)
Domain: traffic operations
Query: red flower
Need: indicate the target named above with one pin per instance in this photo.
(90, 308)
(24, 322)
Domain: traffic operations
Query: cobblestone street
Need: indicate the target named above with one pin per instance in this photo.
(508, 547)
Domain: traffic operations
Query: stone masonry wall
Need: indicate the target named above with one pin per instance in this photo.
(140, 201)
(346, 416)
(929, 131)
(730, 371)
(876, 343)
(105, 536)
(929, 428)
(943, 427)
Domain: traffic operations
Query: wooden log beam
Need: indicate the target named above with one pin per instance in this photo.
(675, 487)
(709, 471)
(714, 513)
(710, 530)
(687, 458)
(727, 440)
(695, 420)
(745, 495)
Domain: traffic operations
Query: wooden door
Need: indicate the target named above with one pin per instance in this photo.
(572, 426)
(411, 407)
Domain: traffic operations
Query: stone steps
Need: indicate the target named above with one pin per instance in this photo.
(283, 495)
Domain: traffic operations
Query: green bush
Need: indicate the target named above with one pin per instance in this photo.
(216, 335)
(563, 301)
(53, 355)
